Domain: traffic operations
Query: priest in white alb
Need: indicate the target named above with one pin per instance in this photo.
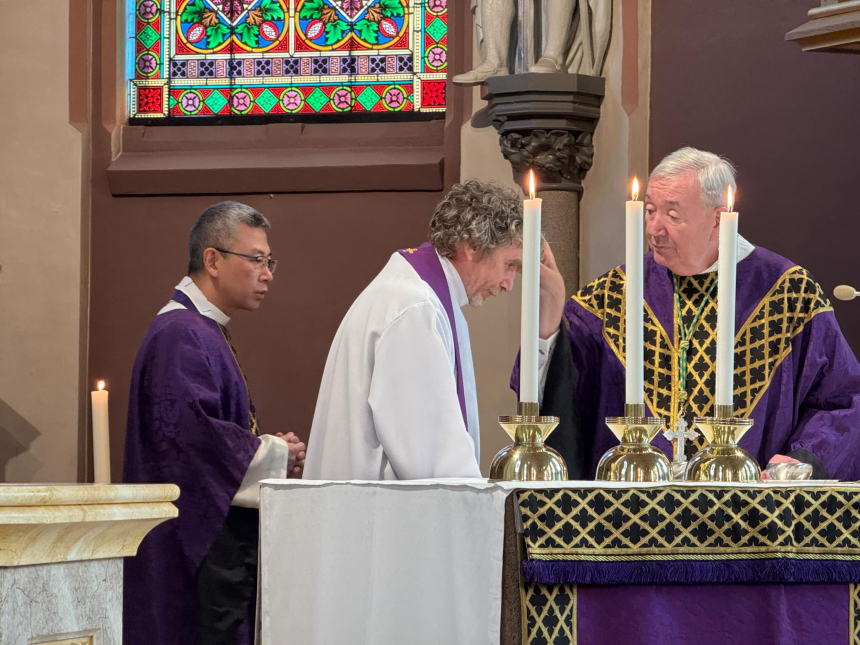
(397, 399)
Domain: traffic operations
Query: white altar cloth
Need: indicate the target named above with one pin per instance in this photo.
(381, 563)
(389, 563)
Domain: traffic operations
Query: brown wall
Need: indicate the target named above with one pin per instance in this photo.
(330, 245)
(724, 80)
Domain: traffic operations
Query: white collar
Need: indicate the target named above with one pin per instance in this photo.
(744, 249)
(197, 298)
(455, 283)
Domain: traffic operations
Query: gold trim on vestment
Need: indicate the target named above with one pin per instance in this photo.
(761, 344)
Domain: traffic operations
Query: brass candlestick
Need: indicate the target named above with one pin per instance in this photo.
(635, 459)
(723, 460)
(528, 459)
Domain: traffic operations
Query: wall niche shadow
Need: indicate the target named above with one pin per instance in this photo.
(16, 436)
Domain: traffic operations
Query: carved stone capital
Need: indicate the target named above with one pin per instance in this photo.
(546, 122)
(559, 158)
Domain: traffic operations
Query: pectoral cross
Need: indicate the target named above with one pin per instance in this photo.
(680, 435)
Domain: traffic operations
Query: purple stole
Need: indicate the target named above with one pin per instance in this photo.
(426, 263)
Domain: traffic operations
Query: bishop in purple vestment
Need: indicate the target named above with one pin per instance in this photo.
(191, 422)
(795, 374)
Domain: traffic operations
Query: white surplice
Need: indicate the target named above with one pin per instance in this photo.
(388, 406)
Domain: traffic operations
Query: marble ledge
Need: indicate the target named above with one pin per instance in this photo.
(62, 494)
(41, 524)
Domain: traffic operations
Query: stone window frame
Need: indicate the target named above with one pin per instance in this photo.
(421, 155)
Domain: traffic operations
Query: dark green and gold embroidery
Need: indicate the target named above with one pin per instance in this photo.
(760, 345)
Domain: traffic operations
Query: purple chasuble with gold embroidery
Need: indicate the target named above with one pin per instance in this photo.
(188, 424)
(795, 374)
(427, 265)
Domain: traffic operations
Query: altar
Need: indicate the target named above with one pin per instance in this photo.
(61, 557)
(470, 561)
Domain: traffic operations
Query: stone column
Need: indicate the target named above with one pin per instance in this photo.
(546, 123)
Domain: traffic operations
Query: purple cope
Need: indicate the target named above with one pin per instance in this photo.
(795, 374)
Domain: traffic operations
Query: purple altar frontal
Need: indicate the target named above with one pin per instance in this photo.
(714, 614)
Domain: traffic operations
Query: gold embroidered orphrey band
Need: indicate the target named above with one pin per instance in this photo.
(549, 614)
(760, 345)
(691, 523)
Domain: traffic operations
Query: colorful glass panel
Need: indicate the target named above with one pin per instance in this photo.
(232, 58)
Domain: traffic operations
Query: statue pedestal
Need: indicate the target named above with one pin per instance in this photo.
(546, 123)
(61, 551)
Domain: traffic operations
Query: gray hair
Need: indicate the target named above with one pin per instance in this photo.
(481, 214)
(714, 173)
(216, 228)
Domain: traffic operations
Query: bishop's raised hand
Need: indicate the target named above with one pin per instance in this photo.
(552, 294)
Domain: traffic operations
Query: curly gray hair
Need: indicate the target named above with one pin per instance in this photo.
(216, 228)
(481, 214)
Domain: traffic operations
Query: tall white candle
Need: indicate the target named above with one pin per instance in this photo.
(530, 320)
(101, 436)
(726, 296)
(634, 297)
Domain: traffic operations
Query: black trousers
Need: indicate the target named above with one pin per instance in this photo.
(227, 580)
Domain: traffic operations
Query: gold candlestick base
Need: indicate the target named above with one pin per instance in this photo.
(635, 459)
(723, 460)
(528, 459)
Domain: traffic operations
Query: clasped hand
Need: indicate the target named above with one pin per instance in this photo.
(297, 454)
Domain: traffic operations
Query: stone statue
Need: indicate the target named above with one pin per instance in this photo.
(576, 42)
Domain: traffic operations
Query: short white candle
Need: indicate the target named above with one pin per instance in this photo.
(634, 298)
(530, 320)
(101, 435)
(726, 297)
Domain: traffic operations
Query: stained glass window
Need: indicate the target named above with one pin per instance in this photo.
(288, 59)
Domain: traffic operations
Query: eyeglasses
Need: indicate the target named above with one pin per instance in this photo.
(260, 261)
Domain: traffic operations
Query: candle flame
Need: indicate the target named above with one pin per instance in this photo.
(730, 201)
(635, 189)
(101, 385)
(531, 184)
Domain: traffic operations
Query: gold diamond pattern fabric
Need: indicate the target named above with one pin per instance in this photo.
(702, 355)
(550, 614)
(765, 340)
(686, 522)
(760, 345)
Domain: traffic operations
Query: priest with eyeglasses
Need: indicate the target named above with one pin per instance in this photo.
(192, 422)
